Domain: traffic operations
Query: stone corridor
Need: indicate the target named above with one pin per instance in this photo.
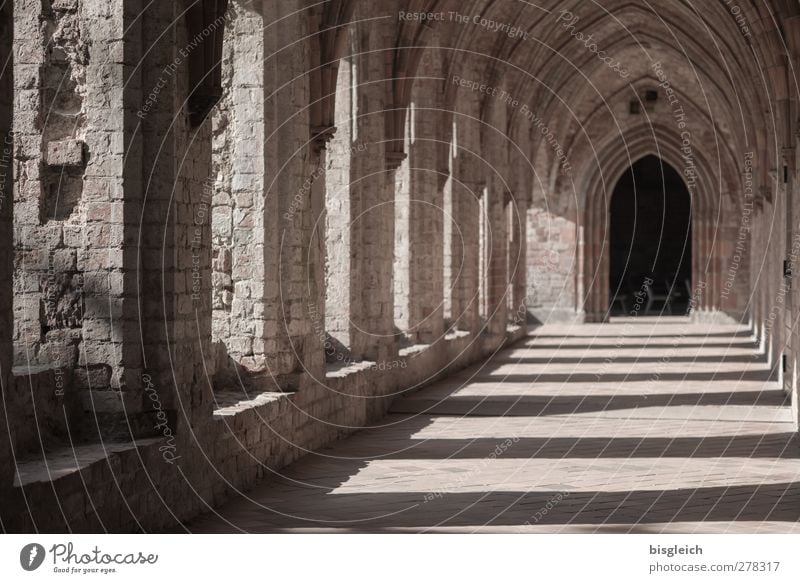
(275, 265)
(638, 425)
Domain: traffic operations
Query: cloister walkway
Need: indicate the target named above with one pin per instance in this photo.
(639, 425)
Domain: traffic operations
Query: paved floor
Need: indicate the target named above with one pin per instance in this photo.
(631, 426)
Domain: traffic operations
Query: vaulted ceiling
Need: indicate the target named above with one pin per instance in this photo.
(724, 62)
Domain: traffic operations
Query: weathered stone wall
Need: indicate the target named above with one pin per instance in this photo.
(51, 115)
(552, 263)
(134, 488)
(241, 327)
(71, 304)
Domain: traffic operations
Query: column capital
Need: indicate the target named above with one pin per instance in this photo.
(394, 159)
(320, 136)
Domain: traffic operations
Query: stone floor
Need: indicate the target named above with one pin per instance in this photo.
(632, 426)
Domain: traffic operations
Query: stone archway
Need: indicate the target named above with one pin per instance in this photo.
(650, 241)
(706, 251)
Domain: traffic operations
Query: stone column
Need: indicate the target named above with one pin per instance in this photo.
(402, 263)
(791, 130)
(792, 154)
(499, 193)
(520, 167)
(425, 208)
(335, 229)
(293, 170)
(174, 235)
(110, 363)
(467, 188)
(244, 326)
(372, 208)
(794, 278)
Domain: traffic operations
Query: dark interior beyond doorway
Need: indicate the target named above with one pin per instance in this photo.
(651, 241)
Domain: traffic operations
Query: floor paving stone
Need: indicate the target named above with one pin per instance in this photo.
(590, 428)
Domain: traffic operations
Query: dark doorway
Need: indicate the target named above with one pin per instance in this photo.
(651, 241)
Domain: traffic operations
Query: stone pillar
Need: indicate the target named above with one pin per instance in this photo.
(774, 273)
(425, 209)
(792, 154)
(521, 169)
(335, 231)
(244, 326)
(317, 345)
(562, 260)
(769, 270)
(700, 259)
(756, 281)
(794, 280)
(402, 263)
(293, 169)
(513, 247)
(497, 307)
(791, 109)
(372, 206)
(110, 363)
(761, 272)
(495, 148)
(174, 236)
(467, 191)
(449, 228)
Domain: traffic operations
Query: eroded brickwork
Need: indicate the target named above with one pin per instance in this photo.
(552, 251)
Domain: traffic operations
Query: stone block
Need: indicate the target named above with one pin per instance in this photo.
(65, 5)
(92, 377)
(65, 153)
(111, 401)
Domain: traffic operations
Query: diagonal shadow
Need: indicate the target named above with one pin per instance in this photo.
(541, 405)
(736, 334)
(373, 512)
(330, 489)
(585, 377)
(578, 360)
(773, 446)
(605, 345)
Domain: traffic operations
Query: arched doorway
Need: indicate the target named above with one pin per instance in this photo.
(650, 250)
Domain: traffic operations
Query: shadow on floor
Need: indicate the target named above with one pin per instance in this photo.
(420, 510)
(541, 405)
(775, 445)
(374, 481)
(577, 360)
